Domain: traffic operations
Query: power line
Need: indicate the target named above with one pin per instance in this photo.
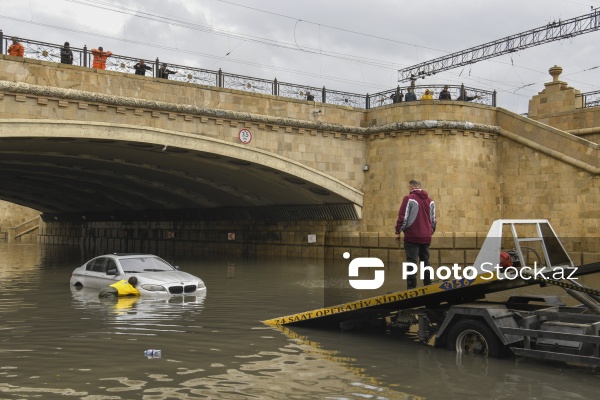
(333, 27)
(234, 35)
(290, 46)
(224, 58)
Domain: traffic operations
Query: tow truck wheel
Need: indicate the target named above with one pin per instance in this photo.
(474, 337)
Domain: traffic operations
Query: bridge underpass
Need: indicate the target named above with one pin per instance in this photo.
(305, 161)
(73, 170)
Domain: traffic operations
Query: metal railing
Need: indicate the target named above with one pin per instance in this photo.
(83, 57)
(589, 99)
(398, 95)
(199, 76)
(125, 64)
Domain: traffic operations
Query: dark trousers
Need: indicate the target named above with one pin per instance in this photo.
(416, 252)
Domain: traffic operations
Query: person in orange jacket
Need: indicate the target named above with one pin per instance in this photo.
(100, 57)
(16, 48)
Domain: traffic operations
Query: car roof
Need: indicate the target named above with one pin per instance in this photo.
(128, 255)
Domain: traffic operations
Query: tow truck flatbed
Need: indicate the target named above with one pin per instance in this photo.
(451, 292)
(453, 313)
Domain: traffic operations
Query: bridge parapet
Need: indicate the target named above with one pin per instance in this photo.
(122, 63)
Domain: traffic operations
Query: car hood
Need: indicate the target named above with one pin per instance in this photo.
(166, 277)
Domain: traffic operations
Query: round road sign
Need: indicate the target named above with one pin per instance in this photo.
(245, 136)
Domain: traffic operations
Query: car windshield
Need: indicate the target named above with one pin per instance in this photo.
(144, 264)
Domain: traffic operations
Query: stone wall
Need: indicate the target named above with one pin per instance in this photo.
(12, 215)
(561, 106)
(259, 238)
(53, 75)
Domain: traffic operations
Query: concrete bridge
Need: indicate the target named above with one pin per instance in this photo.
(103, 155)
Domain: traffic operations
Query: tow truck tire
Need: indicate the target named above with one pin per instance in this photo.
(475, 337)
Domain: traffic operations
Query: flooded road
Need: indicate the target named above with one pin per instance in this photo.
(60, 343)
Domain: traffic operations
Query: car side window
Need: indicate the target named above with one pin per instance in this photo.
(99, 265)
(111, 265)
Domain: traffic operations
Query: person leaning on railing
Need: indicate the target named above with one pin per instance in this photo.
(163, 72)
(100, 57)
(463, 96)
(141, 68)
(16, 49)
(66, 55)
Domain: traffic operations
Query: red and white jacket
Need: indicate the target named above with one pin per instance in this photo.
(416, 217)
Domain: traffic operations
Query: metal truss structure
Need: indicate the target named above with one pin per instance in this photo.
(535, 37)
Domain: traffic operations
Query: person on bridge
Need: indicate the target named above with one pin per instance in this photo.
(463, 95)
(163, 72)
(310, 97)
(410, 95)
(121, 288)
(416, 218)
(66, 54)
(100, 57)
(16, 48)
(427, 96)
(141, 68)
(397, 96)
(445, 94)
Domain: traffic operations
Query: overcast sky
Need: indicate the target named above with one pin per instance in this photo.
(348, 45)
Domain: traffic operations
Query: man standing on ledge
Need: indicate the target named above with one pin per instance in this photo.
(416, 219)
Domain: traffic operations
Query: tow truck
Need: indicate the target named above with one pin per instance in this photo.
(455, 314)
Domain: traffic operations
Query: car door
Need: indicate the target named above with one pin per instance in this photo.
(96, 273)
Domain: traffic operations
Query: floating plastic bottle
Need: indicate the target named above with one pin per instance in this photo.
(152, 353)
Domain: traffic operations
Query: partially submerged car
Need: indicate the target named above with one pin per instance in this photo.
(155, 276)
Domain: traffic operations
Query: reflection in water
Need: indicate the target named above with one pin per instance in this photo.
(59, 343)
(130, 308)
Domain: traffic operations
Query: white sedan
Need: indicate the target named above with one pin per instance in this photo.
(154, 275)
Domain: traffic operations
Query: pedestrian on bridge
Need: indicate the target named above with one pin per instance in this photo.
(100, 57)
(163, 72)
(397, 96)
(16, 48)
(464, 97)
(66, 54)
(416, 219)
(141, 68)
(410, 95)
(445, 94)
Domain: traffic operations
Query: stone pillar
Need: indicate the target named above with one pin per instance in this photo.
(556, 98)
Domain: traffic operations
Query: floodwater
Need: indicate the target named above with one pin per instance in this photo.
(60, 343)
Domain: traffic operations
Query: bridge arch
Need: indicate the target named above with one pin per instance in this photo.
(93, 167)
